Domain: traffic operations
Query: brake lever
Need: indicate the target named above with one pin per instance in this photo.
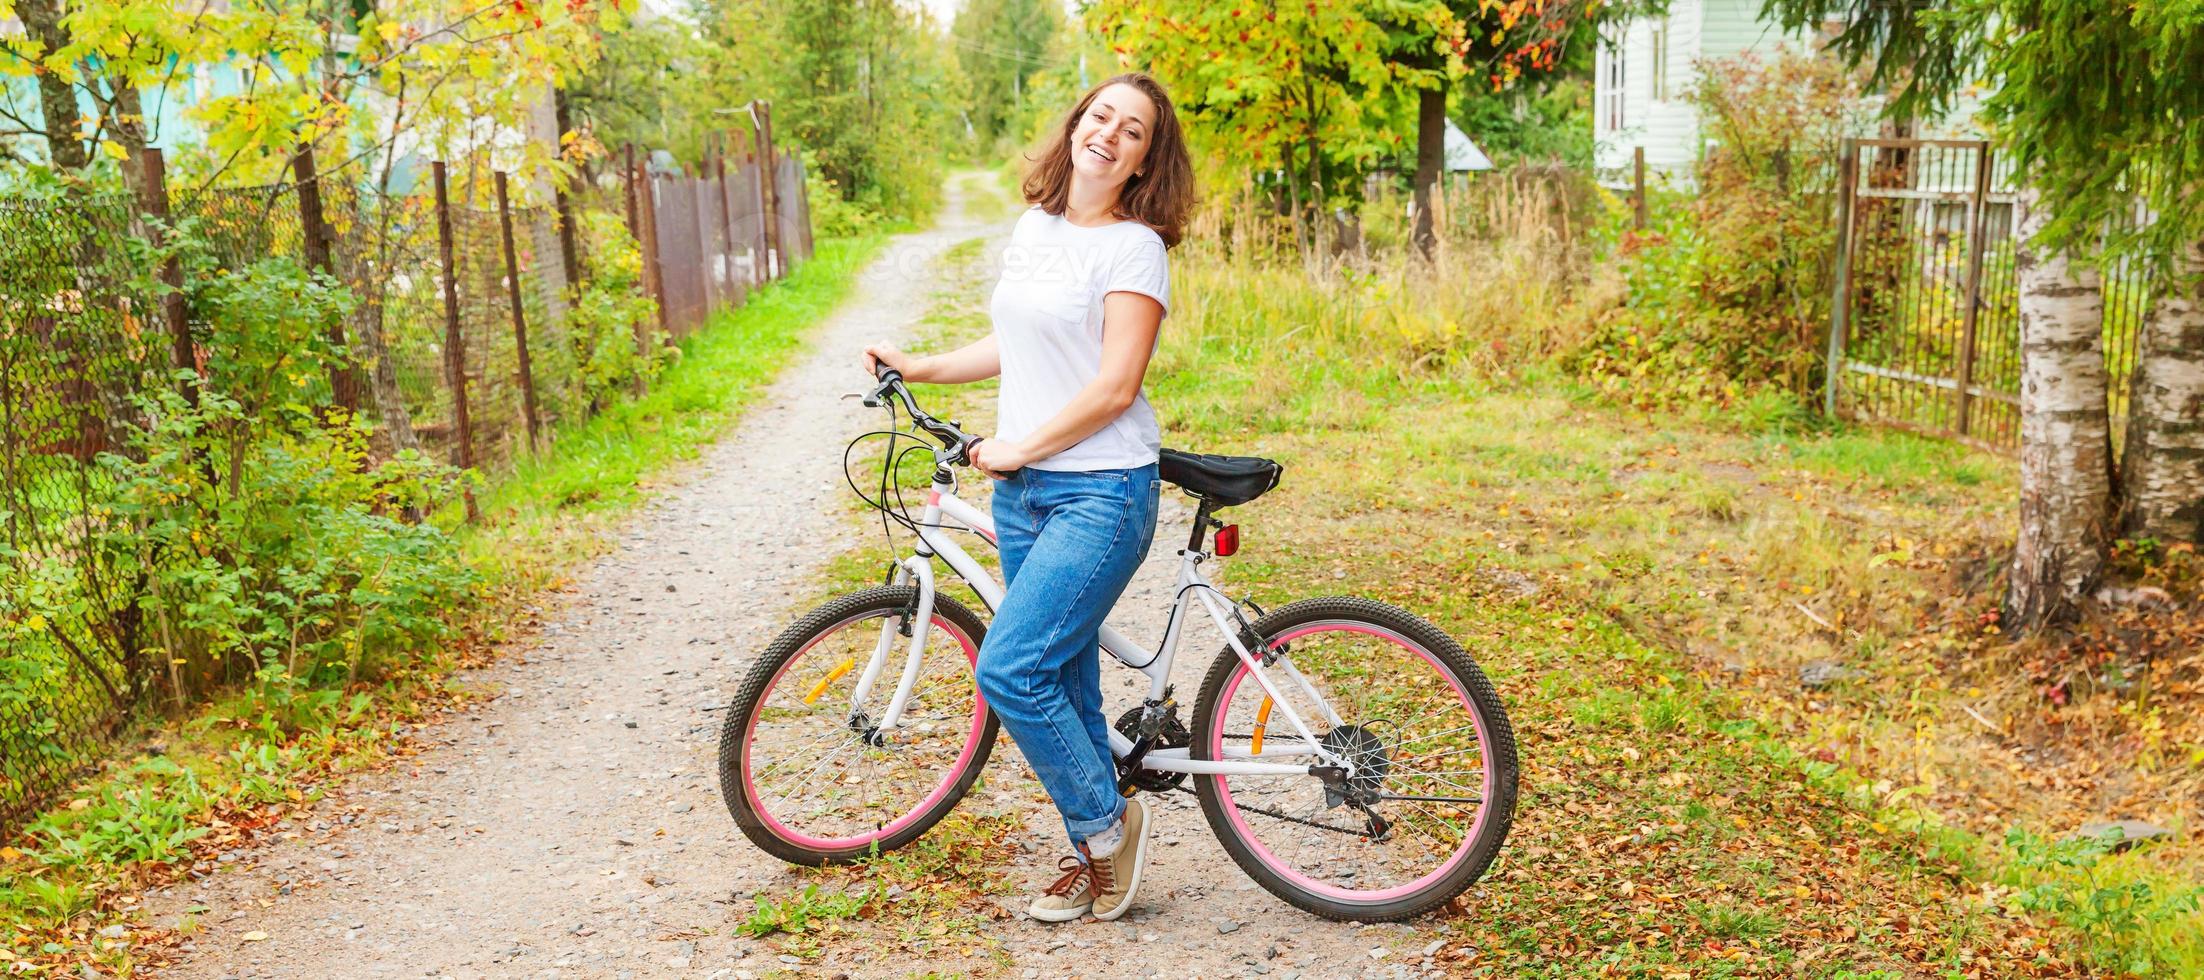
(870, 399)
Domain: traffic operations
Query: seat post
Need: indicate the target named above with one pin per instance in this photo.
(1201, 524)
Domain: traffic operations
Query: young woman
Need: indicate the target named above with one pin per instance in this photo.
(1084, 289)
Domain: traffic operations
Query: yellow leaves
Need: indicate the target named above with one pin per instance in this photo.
(36, 623)
(1900, 553)
(255, 936)
(113, 150)
(10, 854)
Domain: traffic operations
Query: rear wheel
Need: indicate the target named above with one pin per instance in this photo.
(1425, 790)
(806, 772)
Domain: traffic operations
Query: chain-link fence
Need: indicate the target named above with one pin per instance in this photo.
(95, 318)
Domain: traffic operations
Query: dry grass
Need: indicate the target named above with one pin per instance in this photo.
(1485, 303)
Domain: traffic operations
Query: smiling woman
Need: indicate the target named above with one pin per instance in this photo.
(1123, 134)
(1085, 287)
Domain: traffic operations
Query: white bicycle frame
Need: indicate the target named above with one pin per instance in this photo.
(935, 539)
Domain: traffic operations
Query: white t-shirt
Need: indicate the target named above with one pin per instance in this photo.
(1048, 324)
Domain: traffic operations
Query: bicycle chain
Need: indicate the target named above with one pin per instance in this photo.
(1290, 818)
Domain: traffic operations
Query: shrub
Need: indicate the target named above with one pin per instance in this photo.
(235, 528)
(832, 216)
(608, 309)
(1729, 291)
(2127, 919)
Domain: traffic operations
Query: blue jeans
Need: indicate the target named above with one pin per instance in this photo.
(1070, 542)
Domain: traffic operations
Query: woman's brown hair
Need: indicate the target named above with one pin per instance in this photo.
(1160, 197)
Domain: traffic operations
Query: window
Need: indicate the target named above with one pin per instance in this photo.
(1613, 96)
(1660, 60)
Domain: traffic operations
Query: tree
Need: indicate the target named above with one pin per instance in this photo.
(2127, 130)
(999, 45)
(2065, 431)
(2162, 466)
(1498, 44)
(2088, 144)
(59, 119)
(358, 81)
(1284, 88)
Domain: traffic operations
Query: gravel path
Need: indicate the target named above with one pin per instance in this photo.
(572, 826)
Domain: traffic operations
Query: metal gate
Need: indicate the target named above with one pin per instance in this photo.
(1924, 329)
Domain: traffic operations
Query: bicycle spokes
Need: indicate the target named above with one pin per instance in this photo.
(1398, 781)
(820, 769)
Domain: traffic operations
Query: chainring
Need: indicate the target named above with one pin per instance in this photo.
(1173, 736)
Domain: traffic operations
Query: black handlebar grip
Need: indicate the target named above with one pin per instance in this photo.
(882, 372)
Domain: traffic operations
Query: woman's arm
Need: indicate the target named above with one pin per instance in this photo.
(1130, 322)
(975, 361)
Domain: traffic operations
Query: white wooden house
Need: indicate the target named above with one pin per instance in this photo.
(1647, 66)
(1644, 73)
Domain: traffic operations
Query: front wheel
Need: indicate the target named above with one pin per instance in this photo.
(1424, 780)
(805, 769)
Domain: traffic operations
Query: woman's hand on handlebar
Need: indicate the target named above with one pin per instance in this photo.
(999, 458)
(886, 353)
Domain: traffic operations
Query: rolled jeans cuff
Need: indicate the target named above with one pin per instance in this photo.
(1080, 830)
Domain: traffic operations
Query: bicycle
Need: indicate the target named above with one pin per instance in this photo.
(1386, 793)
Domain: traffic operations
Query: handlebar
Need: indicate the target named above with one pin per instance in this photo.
(954, 440)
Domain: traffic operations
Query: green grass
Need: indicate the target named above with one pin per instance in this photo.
(804, 910)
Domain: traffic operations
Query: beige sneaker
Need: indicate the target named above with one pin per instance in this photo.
(1117, 877)
(1070, 897)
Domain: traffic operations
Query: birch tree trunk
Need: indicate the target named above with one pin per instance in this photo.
(2065, 434)
(2162, 471)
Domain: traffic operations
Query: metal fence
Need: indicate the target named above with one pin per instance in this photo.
(87, 329)
(1925, 327)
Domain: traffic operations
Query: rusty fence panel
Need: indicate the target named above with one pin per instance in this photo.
(795, 226)
(746, 201)
(1925, 324)
(680, 255)
(711, 236)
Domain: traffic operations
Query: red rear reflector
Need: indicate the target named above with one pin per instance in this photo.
(1228, 540)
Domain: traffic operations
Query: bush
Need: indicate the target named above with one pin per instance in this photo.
(608, 309)
(832, 216)
(238, 528)
(1730, 291)
(2127, 919)
(258, 535)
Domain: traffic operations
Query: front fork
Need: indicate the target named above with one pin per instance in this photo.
(913, 624)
